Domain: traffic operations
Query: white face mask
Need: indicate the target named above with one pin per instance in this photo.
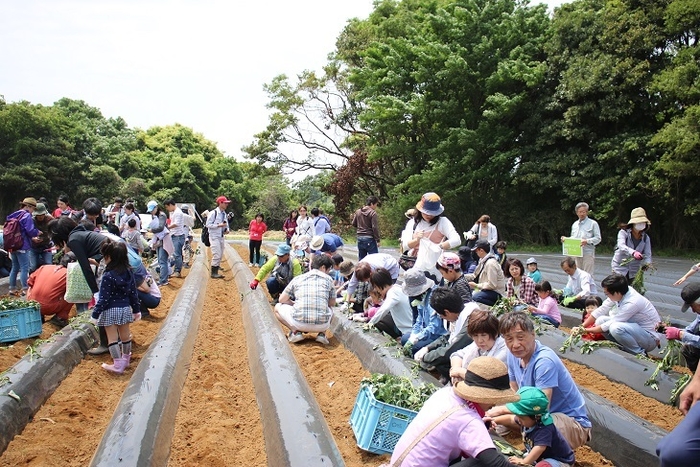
(639, 226)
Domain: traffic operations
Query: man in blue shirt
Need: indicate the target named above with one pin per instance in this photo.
(532, 364)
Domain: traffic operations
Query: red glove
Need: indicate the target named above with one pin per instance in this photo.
(254, 284)
(673, 333)
(637, 255)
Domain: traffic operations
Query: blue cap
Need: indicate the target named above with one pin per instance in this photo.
(283, 249)
(151, 206)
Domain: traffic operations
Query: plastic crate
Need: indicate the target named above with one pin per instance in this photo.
(378, 426)
(20, 323)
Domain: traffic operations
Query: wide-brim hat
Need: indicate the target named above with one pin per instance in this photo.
(347, 267)
(430, 204)
(638, 215)
(316, 242)
(40, 210)
(283, 249)
(690, 294)
(415, 283)
(486, 382)
(29, 202)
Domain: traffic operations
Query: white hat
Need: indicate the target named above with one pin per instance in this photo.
(316, 242)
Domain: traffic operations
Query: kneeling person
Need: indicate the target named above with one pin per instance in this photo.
(282, 269)
(304, 306)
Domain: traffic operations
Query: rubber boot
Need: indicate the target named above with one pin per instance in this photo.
(103, 347)
(215, 273)
(117, 367)
(127, 358)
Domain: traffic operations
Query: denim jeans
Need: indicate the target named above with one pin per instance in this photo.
(178, 243)
(163, 264)
(487, 297)
(273, 286)
(38, 258)
(419, 344)
(366, 246)
(20, 265)
(631, 336)
(148, 301)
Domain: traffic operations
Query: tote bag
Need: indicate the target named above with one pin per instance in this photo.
(77, 288)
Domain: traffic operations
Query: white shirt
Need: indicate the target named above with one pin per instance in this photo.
(177, 222)
(396, 302)
(632, 308)
(376, 261)
(581, 283)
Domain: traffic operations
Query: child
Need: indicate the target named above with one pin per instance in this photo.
(592, 303)
(450, 267)
(544, 445)
(132, 236)
(118, 304)
(372, 303)
(500, 254)
(532, 270)
(338, 278)
(547, 308)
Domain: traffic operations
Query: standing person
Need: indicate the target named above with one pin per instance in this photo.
(432, 234)
(20, 256)
(690, 336)
(632, 243)
(588, 231)
(483, 229)
(129, 213)
(117, 304)
(41, 252)
(532, 364)
(178, 229)
(633, 324)
(579, 286)
(62, 207)
(217, 223)
(487, 277)
(366, 222)
(320, 223)
(162, 241)
(290, 226)
(305, 225)
(304, 306)
(256, 230)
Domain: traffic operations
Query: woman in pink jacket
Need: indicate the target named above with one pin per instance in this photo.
(256, 229)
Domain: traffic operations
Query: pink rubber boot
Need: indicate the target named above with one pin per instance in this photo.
(117, 367)
(126, 357)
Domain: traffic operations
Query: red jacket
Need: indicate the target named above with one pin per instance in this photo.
(256, 230)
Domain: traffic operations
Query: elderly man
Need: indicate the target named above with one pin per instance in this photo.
(633, 326)
(532, 364)
(304, 306)
(366, 222)
(579, 286)
(371, 263)
(217, 223)
(281, 269)
(690, 335)
(588, 231)
(487, 277)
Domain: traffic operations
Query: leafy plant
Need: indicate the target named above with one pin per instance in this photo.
(398, 390)
(571, 341)
(589, 346)
(671, 356)
(8, 303)
(504, 305)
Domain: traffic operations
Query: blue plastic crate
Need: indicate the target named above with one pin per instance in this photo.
(378, 426)
(20, 323)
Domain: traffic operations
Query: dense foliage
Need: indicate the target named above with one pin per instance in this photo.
(502, 109)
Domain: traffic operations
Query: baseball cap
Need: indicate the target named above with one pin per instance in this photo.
(151, 206)
(530, 260)
(533, 401)
(449, 260)
(222, 199)
(483, 244)
(690, 294)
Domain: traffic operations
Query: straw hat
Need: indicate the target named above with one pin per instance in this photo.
(639, 215)
(316, 242)
(486, 382)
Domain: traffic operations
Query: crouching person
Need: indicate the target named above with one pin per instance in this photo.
(449, 430)
(282, 269)
(304, 306)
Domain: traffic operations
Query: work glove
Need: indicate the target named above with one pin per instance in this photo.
(673, 333)
(568, 301)
(637, 255)
(418, 356)
(254, 284)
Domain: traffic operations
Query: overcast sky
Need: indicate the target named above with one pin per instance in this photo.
(158, 62)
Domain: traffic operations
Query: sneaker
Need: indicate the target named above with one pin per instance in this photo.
(176, 274)
(162, 284)
(295, 336)
(250, 265)
(322, 339)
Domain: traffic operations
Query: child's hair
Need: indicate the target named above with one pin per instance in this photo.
(337, 259)
(594, 301)
(545, 286)
(500, 244)
(132, 223)
(260, 215)
(118, 256)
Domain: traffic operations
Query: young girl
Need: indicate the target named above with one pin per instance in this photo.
(118, 304)
(532, 271)
(256, 229)
(547, 308)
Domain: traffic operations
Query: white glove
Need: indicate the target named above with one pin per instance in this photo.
(93, 321)
(137, 316)
(420, 354)
(96, 296)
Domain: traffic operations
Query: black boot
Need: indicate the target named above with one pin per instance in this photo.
(215, 273)
(104, 345)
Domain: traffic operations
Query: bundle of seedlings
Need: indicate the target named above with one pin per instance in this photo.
(398, 390)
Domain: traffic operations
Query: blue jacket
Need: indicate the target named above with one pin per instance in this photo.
(428, 322)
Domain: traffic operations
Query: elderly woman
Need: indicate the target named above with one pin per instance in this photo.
(432, 234)
(633, 249)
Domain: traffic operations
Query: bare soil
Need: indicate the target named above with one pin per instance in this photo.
(218, 422)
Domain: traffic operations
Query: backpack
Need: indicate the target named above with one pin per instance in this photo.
(12, 234)
(205, 236)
